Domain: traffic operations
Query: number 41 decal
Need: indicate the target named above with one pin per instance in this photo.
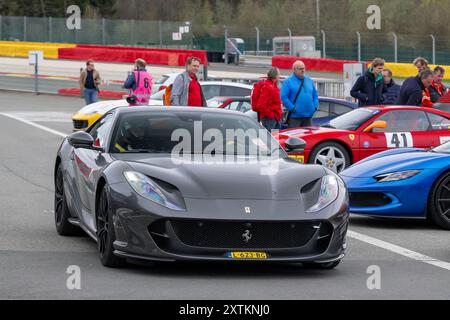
(399, 140)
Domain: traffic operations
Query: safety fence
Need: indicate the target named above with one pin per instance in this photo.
(360, 46)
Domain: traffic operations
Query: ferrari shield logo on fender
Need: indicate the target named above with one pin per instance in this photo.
(248, 210)
(352, 137)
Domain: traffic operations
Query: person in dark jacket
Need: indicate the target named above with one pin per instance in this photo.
(392, 89)
(369, 88)
(421, 64)
(412, 91)
(437, 88)
(269, 102)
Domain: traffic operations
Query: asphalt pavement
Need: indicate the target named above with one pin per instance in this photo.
(413, 258)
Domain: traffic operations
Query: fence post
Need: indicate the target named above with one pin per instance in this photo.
(160, 33)
(24, 28)
(290, 41)
(103, 31)
(395, 47)
(434, 48)
(50, 29)
(257, 41)
(133, 42)
(226, 44)
(324, 43)
(359, 46)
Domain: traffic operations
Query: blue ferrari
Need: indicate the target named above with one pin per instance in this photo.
(410, 183)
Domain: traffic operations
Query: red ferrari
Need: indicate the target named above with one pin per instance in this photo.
(366, 131)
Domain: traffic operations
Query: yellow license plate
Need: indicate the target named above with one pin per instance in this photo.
(248, 255)
(300, 159)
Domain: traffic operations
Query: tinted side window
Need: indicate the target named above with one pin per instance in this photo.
(404, 121)
(246, 106)
(211, 91)
(234, 106)
(101, 129)
(230, 91)
(438, 122)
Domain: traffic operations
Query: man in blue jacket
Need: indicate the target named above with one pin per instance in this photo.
(370, 87)
(300, 97)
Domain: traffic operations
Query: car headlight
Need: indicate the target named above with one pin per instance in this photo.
(397, 176)
(147, 188)
(329, 191)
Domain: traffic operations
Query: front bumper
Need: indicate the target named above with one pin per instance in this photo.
(407, 198)
(145, 231)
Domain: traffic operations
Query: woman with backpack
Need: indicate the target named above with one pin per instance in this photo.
(266, 100)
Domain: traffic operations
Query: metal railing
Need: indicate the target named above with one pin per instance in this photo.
(358, 46)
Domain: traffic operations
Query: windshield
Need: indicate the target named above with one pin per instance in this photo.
(192, 133)
(162, 79)
(445, 148)
(353, 120)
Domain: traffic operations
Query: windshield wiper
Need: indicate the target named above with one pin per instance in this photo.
(327, 126)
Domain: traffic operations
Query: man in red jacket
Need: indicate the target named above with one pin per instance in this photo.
(269, 101)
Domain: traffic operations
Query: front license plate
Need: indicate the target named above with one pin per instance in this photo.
(300, 159)
(248, 255)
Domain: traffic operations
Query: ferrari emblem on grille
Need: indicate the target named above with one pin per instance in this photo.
(248, 210)
(247, 236)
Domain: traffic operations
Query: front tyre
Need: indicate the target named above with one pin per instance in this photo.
(439, 203)
(331, 155)
(62, 213)
(106, 234)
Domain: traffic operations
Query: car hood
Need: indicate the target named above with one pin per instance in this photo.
(301, 132)
(413, 160)
(102, 107)
(197, 178)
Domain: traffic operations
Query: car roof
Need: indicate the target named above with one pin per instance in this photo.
(232, 98)
(171, 110)
(227, 83)
(390, 108)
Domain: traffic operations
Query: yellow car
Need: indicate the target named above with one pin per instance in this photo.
(88, 115)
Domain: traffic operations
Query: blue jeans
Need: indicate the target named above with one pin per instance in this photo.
(270, 124)
(90, 95)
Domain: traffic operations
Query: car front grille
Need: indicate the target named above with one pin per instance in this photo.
(243, 235)
(369, 199)
(80, 124)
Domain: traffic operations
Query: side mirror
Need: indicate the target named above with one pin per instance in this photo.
(376, 125)
(294, 144)
(82, 140)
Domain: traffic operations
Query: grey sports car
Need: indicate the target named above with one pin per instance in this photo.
(189, 184)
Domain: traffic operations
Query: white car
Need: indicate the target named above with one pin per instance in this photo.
(84, 118)
(164, 81)
(212, 89)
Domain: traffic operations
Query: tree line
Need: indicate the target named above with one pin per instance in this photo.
(422, 17)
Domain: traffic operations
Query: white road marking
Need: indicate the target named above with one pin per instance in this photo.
(58, 133)
(44, 116)
(399, 250)
(351, 234)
